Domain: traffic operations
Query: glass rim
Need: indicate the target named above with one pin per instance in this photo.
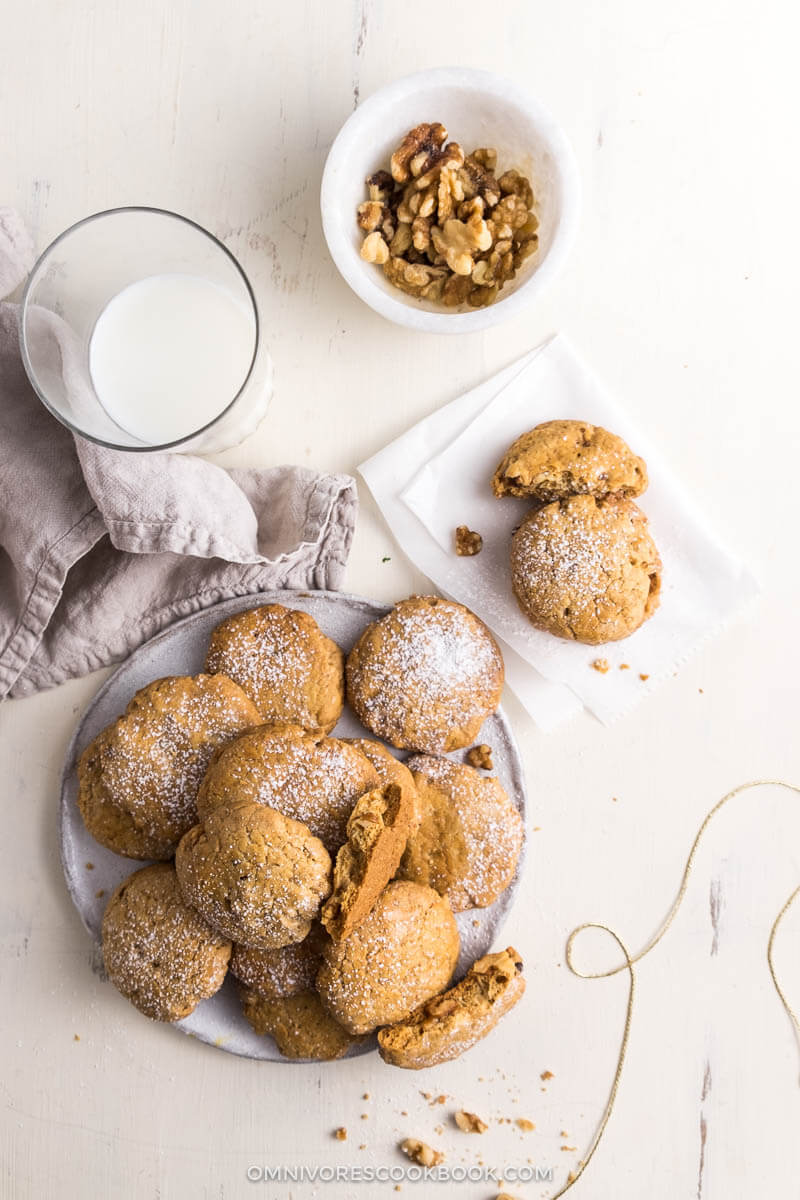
(25, 304)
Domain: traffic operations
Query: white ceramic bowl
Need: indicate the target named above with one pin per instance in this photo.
(478, 109)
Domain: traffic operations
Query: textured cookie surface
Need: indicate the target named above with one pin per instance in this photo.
(300, 1025)
(585, 569)
(470, 835)
(157, 950)
(138, 779)
(446, 1026)
(568, 458)
(425, 676)
(377, 832)
(285, 971)
(285, 664)
(255, 875)
(308, 777)
(403, 953)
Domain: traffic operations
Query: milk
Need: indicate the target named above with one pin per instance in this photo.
(169, 353)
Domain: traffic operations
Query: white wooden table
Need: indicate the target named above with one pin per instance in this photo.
(682, 294)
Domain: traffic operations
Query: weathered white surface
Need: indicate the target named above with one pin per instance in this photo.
(682, 294)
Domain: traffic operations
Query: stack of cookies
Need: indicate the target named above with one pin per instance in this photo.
(323, 873)
(583, 563)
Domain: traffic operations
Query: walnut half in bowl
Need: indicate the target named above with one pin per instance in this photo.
(411, 269)
(443, 224)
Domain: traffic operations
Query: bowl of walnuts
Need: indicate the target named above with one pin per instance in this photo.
(449, 200)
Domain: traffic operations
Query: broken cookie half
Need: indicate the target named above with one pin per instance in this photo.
(444, 1027)
(377, 832)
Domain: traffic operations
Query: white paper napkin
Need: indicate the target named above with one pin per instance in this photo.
(459, 448)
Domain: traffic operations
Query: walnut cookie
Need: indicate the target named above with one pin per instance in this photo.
(425, 676)
(299, 1024)
(403, 953)
(585, 569)
(138, 779)
(558, 459)
(284, 662)
(308, 777)
(283, 971)
(444, 1027)
(158, 952)
(255, 875)
(470, 836)
(391, 770)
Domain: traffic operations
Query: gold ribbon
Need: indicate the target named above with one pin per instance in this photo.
(630, 959)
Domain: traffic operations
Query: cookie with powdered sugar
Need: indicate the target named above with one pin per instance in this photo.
(569, 458)
(425, 676)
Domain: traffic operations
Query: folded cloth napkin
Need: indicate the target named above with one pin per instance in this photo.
(703, 585)
(100, 549)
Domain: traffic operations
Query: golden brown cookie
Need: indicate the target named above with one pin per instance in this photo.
(377, 833)
(569, 458)
(255, 875)
(285, 664)
(586, 569)
(138, 779)
(426, 675)
(299, 1024)
(157, 950)
(311, 778)
(403, 953)
(470, 835)
(285, 971)
(390, 770)
(446, 1026)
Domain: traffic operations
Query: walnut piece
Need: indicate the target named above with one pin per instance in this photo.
(468, 542)
(480, 757)
(468, 1122)
(421, 1153)
(442, 225)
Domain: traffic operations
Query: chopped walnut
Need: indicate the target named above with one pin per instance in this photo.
(421, 1153)
(468, 542)
(340, 1134)
(525, 1125)
(445, 210)
(468, 1122)
(601, 665)
(480, 757)
(374, 248)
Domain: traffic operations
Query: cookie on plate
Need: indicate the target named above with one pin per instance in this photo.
(402, 953)
(285, 971)
(157, 950)
(470, 836)
(586, 569)
(284, 662)
(568, 458)
(299, 1024)
(377, 832)
(390, 770)
(443, 1028)
(255, 875)
(138, 779)
(306, 776)
(425, 676)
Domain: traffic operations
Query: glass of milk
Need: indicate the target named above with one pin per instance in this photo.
(140, 331)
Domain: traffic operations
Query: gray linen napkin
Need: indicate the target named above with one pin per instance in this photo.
(100, 549)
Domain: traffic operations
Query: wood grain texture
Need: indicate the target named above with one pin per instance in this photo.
(682, 294)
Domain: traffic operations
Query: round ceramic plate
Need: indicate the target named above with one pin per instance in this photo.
(92, 872)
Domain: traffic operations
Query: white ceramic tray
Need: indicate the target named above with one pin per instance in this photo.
(180, 650)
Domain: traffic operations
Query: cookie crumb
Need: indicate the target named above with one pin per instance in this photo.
(363, 1146)
(421, 1153)
(76, 1037)
(100, 893)
(365, 1096)
(601, 665)
(480, 757)
(571, 1177)
(90, 866)
(524, 1124)
(700, 690)
(365, 1116)
(441, 1099)
(547, 1075)
(469, 1122)
(504, 1196)
(340, 1134)
(569, 1149)
(468, 542)
(563, 1133)
(643, 677)
(624, 666)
